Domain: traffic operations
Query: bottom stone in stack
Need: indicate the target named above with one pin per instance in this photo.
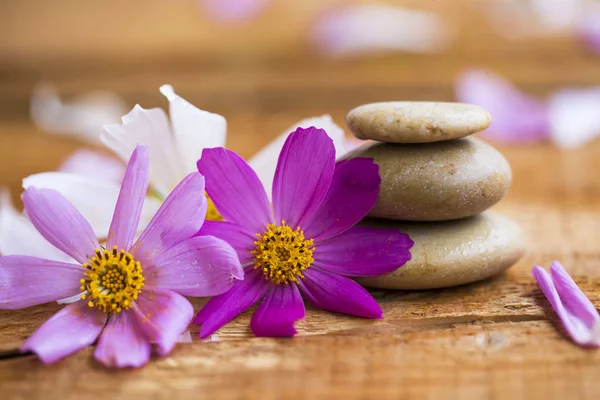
(452, 253)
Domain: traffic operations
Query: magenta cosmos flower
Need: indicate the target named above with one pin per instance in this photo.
(307, 244)
(131, 293)
(576, 312)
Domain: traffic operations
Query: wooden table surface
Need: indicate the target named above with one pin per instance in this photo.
(494, 339)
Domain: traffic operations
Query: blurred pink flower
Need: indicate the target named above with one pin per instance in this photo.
(233, 11)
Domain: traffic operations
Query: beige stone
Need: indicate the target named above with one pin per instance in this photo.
(453, 252)
(437, 181)
(416, 122)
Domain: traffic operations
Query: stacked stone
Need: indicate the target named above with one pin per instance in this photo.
(436, 185)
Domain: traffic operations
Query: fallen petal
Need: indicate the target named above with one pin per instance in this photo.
(574, 116)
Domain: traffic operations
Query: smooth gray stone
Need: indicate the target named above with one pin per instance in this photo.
(452, 253)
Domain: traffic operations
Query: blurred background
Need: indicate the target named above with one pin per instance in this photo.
(67, 66)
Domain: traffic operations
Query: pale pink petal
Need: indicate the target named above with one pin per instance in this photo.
(276, 314)
(186, 337)
(74, 327)
(574, 116)
(223, 308)
(198, 267)
(265, 161)
(128, 210)
(233, 11)
(19, 236)
(179, 218)
(28, 281)
(235, 189)
(303, 176)
(239, 238)
(194, 129)
(60, 223)
(162, 316)
(94, 165)
(148, 128)
(589, 29)
(81, 117)
(580, 332)
(370, 28)
(516, 116)
(122, 343)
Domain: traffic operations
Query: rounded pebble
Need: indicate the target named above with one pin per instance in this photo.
(416, 122)
(452, 253)
(437, 181)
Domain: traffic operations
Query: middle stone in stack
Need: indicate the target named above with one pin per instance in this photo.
(430, 171)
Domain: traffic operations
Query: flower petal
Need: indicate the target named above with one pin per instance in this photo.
(95, 199)
(574, 117)
(194, 129)
(122, 343)
(94, 165)
(74, 327)
(364, 251)
(517, 117)
(577, 329)
(198, 267)
(163, 316)
(589, 28)
(281, 307)
(130, 202)
(223, 308)
(303, 175)
(28, 281)
(179, 218)
(232, 11)
(235, 189)
(148, 128)
(60, 223)
(19, 236)
(265, 161)
(336, 293)
(240, 239)
(352, 194)
(573, 299)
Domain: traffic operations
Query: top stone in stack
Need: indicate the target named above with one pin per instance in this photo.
(429, 170)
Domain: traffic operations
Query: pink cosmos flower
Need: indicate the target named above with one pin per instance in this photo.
(307, 244)
(577, 313)
(131, 291)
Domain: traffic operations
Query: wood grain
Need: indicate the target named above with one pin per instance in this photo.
(494, 339)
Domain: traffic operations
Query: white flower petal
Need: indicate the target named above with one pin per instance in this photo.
(82, 117)
(194, 129)
(94, 165)
(18, 236)
(574, 117)
(265, 161)
(148, 128)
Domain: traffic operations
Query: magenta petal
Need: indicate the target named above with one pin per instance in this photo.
(516, 117)
(238, 237)
(179, 218)
(28, 281)
(60, 223)
(337, 293)
(235, 189)
(572, 297)
(163, 316)
(364, 251)
(352, 194)
(303, 175)
(200, 266)
(223, 308)
(74, 327)
(585, 333)
(281, 307)
(130, 201)
(122, 343)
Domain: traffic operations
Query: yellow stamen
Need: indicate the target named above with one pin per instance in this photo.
(282, 253)
(211, 212)
(113, 280)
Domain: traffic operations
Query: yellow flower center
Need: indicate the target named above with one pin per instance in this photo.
(113, 280)
(282, 253)
(211, 212)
